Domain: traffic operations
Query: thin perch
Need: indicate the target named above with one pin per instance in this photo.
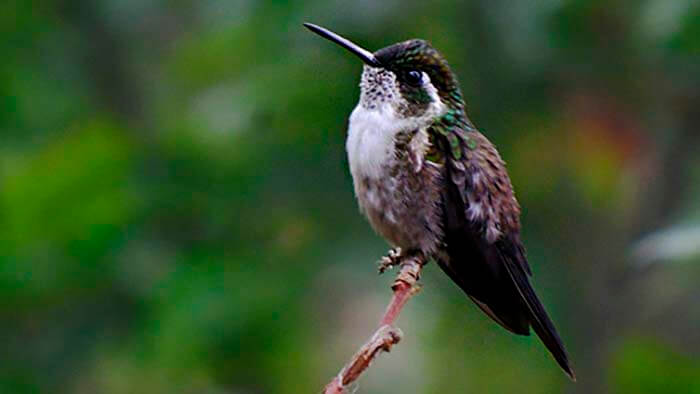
(386, 336)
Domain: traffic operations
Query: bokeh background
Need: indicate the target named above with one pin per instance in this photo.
(176, 213)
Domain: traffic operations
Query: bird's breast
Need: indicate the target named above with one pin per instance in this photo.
(398, 198)
(370, 141)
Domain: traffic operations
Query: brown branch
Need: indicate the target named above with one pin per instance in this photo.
(404, 287)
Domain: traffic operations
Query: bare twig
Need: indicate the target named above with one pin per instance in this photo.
(387, 335)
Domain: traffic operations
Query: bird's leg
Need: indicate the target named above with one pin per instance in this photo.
(390, 260)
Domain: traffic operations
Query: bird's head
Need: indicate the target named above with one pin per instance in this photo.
(411, 77)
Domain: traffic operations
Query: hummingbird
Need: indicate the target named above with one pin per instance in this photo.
(432, 185)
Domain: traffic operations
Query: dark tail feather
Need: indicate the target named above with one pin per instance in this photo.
(540, 322)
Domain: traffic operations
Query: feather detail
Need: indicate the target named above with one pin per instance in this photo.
(483, 252)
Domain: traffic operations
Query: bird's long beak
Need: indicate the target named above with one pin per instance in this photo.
(362, 53)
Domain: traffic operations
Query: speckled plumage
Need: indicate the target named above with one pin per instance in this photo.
(430, 183)
(396, 188)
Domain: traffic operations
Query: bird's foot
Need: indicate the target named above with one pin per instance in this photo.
(390, 260)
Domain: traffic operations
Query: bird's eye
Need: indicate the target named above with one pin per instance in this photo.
(414, 77)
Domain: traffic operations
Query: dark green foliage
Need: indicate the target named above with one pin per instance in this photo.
(176, 214)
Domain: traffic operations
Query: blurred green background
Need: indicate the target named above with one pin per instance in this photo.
(176, 213)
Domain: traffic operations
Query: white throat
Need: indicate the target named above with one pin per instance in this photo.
(374, 126)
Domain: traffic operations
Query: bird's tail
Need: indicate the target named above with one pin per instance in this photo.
(539, 320)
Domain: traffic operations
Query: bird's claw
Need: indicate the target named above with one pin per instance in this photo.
(390, 260)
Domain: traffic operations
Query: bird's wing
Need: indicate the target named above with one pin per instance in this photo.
(484, 253)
